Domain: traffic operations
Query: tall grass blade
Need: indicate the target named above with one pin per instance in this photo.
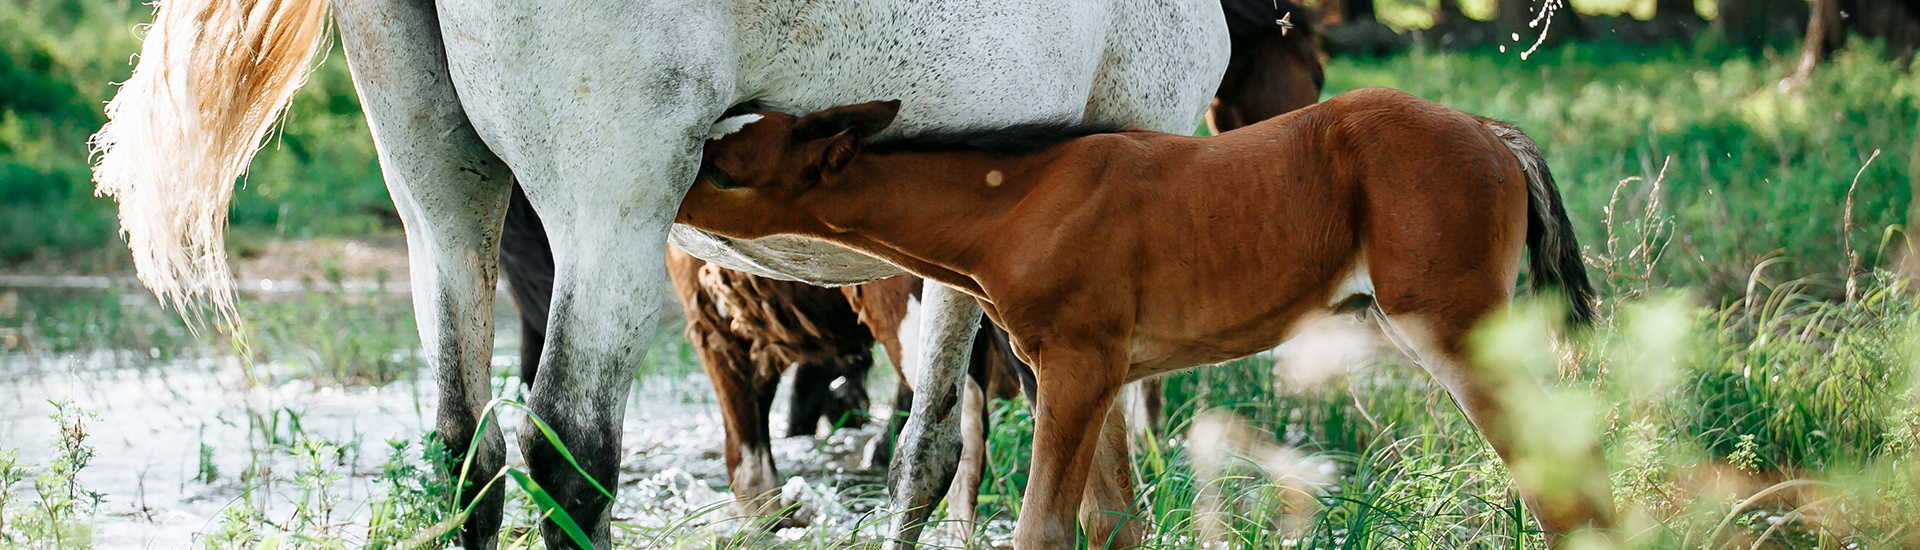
(547, 504)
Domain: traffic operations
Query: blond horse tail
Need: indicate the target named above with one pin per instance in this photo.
(212, 80)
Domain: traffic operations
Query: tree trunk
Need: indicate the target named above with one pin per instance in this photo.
(1824, 33)
(1828, 25)
(1522, 17)
(1449, 12)
(1356, 10)
(1896, 22)
(1745, 23)
(1909, 258)
(1674, 8)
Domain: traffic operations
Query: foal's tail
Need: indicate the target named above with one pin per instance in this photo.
(1555, 256)
(212, 79)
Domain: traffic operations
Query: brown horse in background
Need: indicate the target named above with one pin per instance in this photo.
(1274, 70)
(1114, 256)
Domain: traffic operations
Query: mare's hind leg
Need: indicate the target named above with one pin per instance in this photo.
(929, 444)
(451, 193)
(605, 144)
(606, 290)
(1566, 487)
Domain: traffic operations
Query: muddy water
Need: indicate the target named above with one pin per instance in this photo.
(175, 440)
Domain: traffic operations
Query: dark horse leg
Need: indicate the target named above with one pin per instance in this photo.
(834, 389)
(526, 261)
(882, 453)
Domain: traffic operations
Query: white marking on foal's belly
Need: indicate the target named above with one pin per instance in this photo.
(1357, 283)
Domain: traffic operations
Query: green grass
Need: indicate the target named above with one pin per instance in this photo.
(47, 323)
(366, 339)
(1751, 171)
(1671, 412)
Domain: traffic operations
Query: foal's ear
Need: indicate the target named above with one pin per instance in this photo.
(840, 150)
(864, 119)
(848, 127)
(871, 117)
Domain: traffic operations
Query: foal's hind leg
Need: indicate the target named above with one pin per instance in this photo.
(451, 192)
(963, 496)
(1567, 490)
(1107, 510)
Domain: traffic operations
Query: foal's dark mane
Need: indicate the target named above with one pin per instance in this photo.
(1003, 140)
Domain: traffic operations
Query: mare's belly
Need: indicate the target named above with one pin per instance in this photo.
(953, 64)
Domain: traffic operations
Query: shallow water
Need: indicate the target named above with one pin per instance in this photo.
(155, 425)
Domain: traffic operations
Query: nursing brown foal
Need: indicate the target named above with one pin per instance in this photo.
(1114, 255)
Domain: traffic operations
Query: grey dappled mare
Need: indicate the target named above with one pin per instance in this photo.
(599, 109)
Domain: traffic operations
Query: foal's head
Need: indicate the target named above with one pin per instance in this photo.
(757, 165)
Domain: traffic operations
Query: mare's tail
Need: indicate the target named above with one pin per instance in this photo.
(1555, 256)
(212, 79)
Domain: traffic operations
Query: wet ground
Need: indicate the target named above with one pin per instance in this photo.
(174, 441)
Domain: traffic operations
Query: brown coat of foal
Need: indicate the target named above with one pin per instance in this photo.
(1113, 256)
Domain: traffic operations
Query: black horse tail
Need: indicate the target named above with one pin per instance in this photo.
(1555, 260)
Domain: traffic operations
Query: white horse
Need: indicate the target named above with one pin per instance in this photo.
(599, 108)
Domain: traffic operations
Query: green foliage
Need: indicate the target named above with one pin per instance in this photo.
(49, 322)
(1801, 383)
(61, 516)
(419, 495)
(1841, 417)
(1009, 451)
(1752, 170)
(58, 62)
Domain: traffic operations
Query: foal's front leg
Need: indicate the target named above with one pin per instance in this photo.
(1076, 392)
